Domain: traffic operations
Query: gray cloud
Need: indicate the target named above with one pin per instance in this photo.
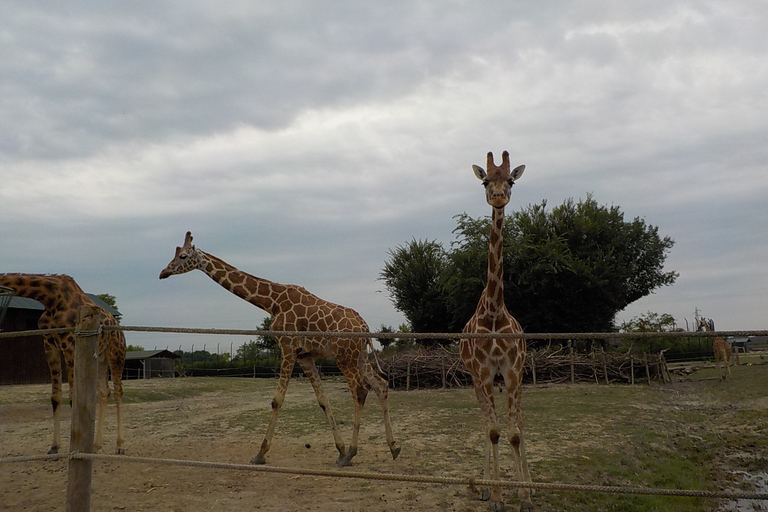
(301, 141)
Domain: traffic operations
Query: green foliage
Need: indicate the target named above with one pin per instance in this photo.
(413, 277)
(693, 347)
(110, 300)
(134, 348)
(391, 345)
(570, 269)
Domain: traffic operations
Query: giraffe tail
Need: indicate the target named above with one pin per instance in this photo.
(375, 356)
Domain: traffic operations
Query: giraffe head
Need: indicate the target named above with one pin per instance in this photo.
(498, 180)
(186, 258)
(706, 324)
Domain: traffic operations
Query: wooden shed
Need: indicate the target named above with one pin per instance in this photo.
(22, 360)
(148, 364)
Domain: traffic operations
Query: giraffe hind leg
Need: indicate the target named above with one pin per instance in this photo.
(53, 357)
(381, 388)
(308, 365)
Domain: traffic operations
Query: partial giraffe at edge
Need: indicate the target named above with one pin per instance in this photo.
(721, 348)
(62, 297)
(293, 308)
(485, 358)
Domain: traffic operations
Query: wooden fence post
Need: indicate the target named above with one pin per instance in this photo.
(408, 376)
(573, 369)
(83, 409)
(605, 367)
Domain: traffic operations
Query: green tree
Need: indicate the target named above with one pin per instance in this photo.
(650, 322)
(569, 269)
(111, 301)
(248, 352)
(267, 343)
(134, 348)
(413, 275)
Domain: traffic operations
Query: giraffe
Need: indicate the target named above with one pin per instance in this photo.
(720, 347)
(485, 358)
(62, 297)
(293, 308)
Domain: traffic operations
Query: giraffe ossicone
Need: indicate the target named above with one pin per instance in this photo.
(485, 358)
(293, 308)
(62, 297)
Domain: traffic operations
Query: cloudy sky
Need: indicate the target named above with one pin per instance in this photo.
(301, 141)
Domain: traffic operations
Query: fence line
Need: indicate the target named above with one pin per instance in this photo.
(398, 477)
(405, 335)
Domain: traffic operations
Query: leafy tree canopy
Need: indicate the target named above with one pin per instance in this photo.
(569, 269)
(413, 277)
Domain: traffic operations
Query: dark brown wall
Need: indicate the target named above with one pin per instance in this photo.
(22, 360)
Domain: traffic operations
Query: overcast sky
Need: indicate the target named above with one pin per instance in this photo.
(301, 141)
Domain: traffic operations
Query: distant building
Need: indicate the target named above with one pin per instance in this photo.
(148, 364)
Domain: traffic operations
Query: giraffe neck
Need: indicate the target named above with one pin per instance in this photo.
(494, 288)
(259, 292)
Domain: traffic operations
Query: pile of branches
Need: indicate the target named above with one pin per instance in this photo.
(441, 368)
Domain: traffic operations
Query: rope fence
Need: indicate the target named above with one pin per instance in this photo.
(396, 477)
(400, 335)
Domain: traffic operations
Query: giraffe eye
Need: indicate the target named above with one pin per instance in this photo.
(511, 182)
(183, 257)
(486, 183)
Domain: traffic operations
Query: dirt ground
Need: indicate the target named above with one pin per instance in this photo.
(223, 420)
(205, 427)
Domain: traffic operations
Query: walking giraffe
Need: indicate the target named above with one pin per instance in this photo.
(62, 297)
(720, 347)
(293, 308)
(485, 358)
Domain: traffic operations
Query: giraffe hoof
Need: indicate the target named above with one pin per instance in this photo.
(259, 459)
(120, 451)
(485, 495)
(343, 460)
(526, 506)
(496, 506)
(395, 452)
(54, 449)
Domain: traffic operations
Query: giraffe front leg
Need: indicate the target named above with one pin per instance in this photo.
(484, 392)
(308, 365)
(286, 367)
(517, 440)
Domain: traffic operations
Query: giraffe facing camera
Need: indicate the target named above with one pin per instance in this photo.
(485, 358)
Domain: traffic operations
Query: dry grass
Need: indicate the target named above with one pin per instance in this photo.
(685, 435)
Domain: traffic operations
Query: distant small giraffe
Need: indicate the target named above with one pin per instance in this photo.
(295, 309)
(485, 358)
(720, 347)
(62, 297)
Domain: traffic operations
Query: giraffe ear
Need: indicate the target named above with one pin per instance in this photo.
(479, 172)
(517, 172)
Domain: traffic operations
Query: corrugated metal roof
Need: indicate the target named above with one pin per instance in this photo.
(25, 303)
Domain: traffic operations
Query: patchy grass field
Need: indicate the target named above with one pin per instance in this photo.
(696, 434)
